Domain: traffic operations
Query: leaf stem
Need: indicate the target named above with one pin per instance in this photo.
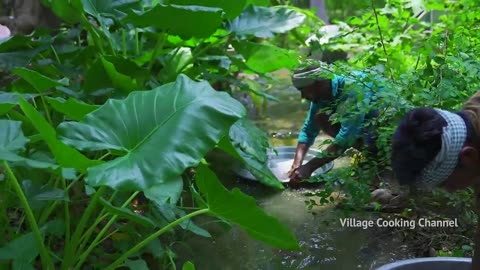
(381, 39)
(67, 214)
(154, 236)
(45, 257)
(47, 112)
(124, 42)
(71, 248)
(98, 239)
(158, 47)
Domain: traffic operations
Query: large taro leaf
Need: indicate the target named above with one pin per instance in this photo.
(231, 8)
(264, 22)
(161, 133)
(184, 21)
(241, 209)
(249, 144)
(266, 58)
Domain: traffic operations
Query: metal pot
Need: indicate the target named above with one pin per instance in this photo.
(434, 263)
(280, 164)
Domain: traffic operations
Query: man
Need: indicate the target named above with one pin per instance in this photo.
(341, 95)
(438, 148)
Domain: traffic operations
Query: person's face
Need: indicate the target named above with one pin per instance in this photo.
(467, 173)
(315, 92)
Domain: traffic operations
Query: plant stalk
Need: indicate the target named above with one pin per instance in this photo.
(98, 239)
(158, 47)
(45, 257)
(71, 248)
(67, 215)
(153, 237)
(381, 40)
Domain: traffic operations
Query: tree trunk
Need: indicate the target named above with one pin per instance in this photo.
(321, 10)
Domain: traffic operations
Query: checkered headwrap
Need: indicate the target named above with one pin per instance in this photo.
(453, 139)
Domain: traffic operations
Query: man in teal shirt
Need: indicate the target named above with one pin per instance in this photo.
(341, 95)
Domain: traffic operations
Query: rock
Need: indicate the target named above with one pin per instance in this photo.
(4, 32)
(382, 196)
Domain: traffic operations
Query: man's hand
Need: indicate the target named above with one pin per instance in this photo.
(291, 173)
(301, 173)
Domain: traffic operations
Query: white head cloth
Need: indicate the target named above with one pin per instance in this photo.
(453, 139)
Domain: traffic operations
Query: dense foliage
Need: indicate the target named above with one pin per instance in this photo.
(424, 53)
(106, 124)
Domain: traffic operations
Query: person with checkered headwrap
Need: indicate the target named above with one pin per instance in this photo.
(433, 147)
(438, 148)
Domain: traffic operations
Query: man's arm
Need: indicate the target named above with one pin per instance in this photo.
(333, 151)
(307, 135)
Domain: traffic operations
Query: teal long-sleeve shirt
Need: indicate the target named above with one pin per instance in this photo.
(351, 128)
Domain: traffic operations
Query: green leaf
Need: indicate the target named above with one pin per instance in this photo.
(66, 156)
(190, 21)
(38, 194)
(242, 210)
(96, 77)
(12, 139)
(72, 108)
(126, 213)
(188, 266)
(5, 108)
(12, 98)
(21, 264)
(173, 62)
(136, 265)
(40, 82)
(25, 248)
(264, 3)
(258, 90)
(119, 80)
(231, 8)
(69, 11)
(170, 212)
(97, 8)
(168, 192)
(155, 248)
(266, 58)
(114, 72)
(161, 133)
(12, 60)
(249, 144)
(265, 22)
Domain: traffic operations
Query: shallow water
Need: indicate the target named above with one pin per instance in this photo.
(325, 244)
